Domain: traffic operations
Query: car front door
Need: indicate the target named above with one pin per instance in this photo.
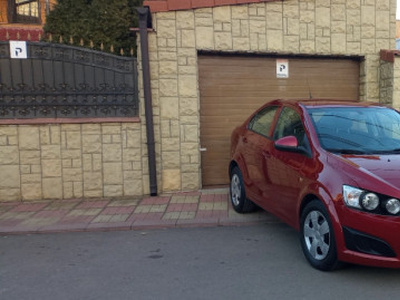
(286, 170)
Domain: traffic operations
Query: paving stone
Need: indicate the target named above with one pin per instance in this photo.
(84, 212)
(155, 200)
(61, 205)
(102, 219)
(6, 207)
(40, 222)
(118, 210)
(119, 218)
(206, 206)
(124, 203)
(29, 207)
(94, 204)
(187, 215)
(171, 216)
(142, 209)
(16, 215)
(82, 219)
(220, 205)
(178, 199)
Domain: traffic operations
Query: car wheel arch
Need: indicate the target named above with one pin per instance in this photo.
(232, 165)
(307, 199)
(238, 161)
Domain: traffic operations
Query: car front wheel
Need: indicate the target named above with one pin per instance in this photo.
(238, 194)
(317, 237)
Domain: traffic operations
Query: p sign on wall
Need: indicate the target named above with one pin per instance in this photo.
(18, 49)
(282, 68)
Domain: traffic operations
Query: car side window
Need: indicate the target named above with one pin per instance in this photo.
(261, 122)
(289, 123)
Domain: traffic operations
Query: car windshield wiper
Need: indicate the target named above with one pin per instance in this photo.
(347, 151)
(343, 140)
(392, 151)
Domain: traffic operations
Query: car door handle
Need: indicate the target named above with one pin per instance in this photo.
(266, 154)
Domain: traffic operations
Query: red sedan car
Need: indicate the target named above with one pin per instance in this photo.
(331, 170)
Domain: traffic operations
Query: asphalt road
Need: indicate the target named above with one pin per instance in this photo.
(255, 262)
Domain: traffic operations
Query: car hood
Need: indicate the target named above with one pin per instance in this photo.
(385, 167)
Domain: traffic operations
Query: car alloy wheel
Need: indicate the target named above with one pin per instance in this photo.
(237, 193)
(317, 237)
(236, 190)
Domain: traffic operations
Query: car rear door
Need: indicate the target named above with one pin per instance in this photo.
(257, 139)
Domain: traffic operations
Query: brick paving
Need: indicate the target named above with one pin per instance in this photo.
(203, 208)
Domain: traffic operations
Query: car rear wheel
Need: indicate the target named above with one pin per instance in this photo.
(238, 194)
(317, 237)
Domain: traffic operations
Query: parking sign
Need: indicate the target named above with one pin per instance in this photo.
(18, 49)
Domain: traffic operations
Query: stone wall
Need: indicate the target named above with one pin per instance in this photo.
(321, 27)
(390, 78)
(396, 83)
(386, 82)
(63, 161)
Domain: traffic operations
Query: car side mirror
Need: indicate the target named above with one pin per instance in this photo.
(290, 144)
(286, 142)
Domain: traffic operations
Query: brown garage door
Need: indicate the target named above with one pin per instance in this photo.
(232, 87)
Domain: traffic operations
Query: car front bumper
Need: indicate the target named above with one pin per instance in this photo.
(368, 239)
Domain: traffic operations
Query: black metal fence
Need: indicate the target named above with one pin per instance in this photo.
(60, 81)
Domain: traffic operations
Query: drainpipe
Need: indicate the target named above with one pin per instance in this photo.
(148, 102)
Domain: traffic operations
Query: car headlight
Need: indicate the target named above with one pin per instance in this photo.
(351, 196)
(393, 206)
(370, 201)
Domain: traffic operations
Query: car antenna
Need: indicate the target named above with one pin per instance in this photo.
(309, 89)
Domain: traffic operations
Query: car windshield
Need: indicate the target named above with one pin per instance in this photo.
(357, 130)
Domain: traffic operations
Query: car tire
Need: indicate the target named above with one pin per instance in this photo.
(237, 193)
(317, 237)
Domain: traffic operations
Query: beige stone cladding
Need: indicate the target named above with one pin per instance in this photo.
(307, 27)
(390, 82)
(70, 161)
(396, 83)
(387, 83)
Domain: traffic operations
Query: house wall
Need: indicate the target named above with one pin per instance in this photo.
(309, 27)
(6, 23)
(22, 31)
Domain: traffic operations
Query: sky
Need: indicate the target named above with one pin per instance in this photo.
(398, 10)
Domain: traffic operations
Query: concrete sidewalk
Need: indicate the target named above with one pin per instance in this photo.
(204, 208)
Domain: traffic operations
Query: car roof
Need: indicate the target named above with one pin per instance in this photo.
(315, 103)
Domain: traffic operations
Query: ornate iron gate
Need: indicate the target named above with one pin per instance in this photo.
(60, 81)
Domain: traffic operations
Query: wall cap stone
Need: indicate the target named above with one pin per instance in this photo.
(39, 121)
(281, 54)
(389, 55)
(173, 5)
